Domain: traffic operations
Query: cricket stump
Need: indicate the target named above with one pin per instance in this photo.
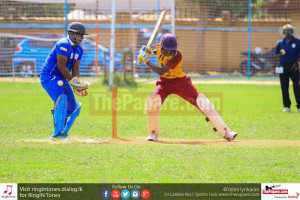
(114, 112)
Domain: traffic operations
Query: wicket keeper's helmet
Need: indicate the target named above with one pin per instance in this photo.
(77, 27)
(169, 42)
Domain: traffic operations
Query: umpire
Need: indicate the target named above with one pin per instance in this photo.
(288, 50)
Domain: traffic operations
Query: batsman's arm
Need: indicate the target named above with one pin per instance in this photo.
(75, 69)
(61, 64)
(158, 70)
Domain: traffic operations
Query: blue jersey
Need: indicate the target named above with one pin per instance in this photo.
(64, 47)
(291, 48)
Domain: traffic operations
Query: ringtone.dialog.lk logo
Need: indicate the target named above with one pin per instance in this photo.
(8, 191)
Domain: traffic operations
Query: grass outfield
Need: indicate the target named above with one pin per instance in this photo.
(251, 110)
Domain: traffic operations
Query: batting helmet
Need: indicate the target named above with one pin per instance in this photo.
(169, 42)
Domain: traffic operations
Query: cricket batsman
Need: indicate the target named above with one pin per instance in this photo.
(58, 80)
(173, 80)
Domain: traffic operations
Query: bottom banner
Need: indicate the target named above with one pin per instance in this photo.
(130, 191)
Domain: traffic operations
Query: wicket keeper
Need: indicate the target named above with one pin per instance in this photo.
(173, 80)
(58, 80)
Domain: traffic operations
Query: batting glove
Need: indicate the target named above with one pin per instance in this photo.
(143, 58)
(147, 50)
(77, 84)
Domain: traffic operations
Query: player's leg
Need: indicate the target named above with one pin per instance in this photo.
(60, 112)
(186, 90)
(296, 87)
(284, 82)
(153, 106)
(73, 111)
(208, 109)
(70, 121)
(60, 105)
(72, 105)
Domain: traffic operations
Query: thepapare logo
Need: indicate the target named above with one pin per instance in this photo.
(8, 191)
(294, 197)
(276, 191)
(270, 190)
(137, 104)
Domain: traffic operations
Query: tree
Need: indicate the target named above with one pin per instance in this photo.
(259, 12)
(237, 8)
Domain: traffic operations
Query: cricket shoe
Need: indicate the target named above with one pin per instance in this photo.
(286, 109)
(152, 137)
(60, 136)
(230, 136)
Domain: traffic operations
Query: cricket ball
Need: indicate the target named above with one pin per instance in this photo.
(60, 83)
(282, 51)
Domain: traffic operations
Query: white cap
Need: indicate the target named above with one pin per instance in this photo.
(287, 27)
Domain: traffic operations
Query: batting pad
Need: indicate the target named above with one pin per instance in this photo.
(72, 119)
(208, 109)
(153, 106)
(60, 112)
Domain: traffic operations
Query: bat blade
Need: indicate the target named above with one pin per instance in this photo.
(157, 26)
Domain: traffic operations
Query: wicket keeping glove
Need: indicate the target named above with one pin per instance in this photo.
(77, 84)
(143, 58)
(81, 93)
(148, 50)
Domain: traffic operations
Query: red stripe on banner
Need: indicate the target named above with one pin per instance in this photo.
(283, 191)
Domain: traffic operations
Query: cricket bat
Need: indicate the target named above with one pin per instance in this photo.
(157, 26)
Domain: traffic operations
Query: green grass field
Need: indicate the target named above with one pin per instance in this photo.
(255, 112)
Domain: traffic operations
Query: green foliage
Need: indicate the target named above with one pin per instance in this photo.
(237, 8)
(258, 11)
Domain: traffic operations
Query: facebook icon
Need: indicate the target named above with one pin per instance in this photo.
(105, 194)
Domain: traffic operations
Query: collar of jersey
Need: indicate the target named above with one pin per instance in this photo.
(293, 38)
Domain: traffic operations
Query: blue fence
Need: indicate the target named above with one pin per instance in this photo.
(219, 58)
